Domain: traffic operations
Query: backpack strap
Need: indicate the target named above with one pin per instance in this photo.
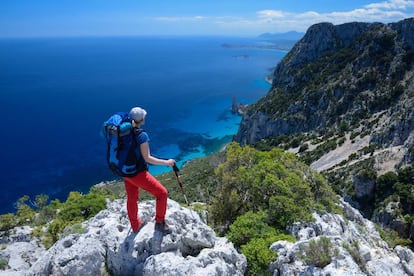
(141, 164)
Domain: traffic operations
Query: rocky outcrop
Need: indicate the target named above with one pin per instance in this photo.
(356, 248)
(20, 251)
(237, 108)
(107, 246)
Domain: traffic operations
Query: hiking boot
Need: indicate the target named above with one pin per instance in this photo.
(163, 227)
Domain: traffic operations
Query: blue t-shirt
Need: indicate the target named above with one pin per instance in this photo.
(141, 138)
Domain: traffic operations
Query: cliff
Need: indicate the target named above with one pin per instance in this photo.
(343, 100)
(341, 76)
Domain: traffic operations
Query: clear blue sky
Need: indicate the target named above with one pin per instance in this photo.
(31, 18)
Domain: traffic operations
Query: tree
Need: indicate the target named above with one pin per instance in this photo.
(273, 181)
(41, 201)
(7, 222)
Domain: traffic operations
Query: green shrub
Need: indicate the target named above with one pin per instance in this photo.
(44, 215)
(73, 229)
(353, 250)
(273, 181)
(4, 264)
(303, 147)
(25, 215)
(258, 256)
(253, 236)
(54, 229)
(41, 201)
(319, 252)
(7, 222)
(80, 207)
(248, 226)
(392, 238)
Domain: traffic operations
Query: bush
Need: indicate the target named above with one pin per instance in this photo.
(392, 238)
(80, 207)
(54, 229)
(7, 222)
(273, 181)
(253, 235)
(319, 252)
(353, 250)
(73, 229)
(258, 256)
(41, 201)
(249, 226)
(25, 214)
(4, 264)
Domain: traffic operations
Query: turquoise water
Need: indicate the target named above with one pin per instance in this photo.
(55, 94)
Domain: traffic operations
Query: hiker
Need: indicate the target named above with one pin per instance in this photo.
(144, 180)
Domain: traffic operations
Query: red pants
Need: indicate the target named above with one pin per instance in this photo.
(146, 181)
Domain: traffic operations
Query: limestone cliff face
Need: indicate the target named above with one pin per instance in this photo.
(341, 75)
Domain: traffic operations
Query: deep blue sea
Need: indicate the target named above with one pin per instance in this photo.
(55, 93)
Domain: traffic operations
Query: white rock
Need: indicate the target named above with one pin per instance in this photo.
(109, 247)
(359, 249)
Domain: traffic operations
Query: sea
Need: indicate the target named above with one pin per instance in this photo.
(55, 94)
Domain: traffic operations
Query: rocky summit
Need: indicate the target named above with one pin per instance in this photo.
(107, 246)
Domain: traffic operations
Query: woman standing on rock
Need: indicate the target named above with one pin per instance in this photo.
(144, 180)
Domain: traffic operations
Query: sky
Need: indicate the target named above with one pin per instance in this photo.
(61, 18)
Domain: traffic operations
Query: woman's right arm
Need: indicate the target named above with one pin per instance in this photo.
(145, 152)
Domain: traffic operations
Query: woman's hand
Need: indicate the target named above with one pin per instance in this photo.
(170, 162)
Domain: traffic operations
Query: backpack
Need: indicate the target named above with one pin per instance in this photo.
(121, 140)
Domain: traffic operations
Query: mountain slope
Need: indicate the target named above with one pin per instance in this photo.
(343, 99)
(339, 75)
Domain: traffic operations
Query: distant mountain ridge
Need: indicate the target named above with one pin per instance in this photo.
(283, 41)
(291, 35)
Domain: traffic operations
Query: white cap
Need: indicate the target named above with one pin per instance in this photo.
(137, 114)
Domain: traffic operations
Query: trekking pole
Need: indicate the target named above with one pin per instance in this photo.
(176, 170)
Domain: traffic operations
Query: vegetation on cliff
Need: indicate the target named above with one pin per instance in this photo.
(345, 93)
